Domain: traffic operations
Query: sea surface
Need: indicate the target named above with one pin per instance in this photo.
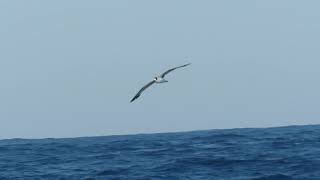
(282, 153)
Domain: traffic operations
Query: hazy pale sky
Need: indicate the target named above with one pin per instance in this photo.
(70, 68)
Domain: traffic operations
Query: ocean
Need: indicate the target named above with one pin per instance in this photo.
(282, 153)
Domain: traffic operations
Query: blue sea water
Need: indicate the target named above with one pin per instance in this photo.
(261, 154)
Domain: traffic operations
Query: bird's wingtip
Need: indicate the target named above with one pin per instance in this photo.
(133, 99)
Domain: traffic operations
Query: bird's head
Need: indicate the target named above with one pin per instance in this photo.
(155, 78)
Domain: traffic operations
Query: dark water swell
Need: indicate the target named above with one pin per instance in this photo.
(271, 153)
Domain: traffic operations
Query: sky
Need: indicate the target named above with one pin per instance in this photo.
(70, 68)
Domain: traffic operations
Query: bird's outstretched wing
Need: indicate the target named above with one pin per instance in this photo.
(168, 71)
(141, 90)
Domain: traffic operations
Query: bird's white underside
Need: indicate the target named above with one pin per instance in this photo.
(160, 80)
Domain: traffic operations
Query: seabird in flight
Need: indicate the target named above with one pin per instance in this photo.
(158, 79)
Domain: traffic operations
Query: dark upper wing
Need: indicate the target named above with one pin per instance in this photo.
(141, 90)
(167, 72)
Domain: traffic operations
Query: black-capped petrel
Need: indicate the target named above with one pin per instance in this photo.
(158, 79)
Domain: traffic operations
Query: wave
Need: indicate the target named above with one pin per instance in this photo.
(240, 154)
